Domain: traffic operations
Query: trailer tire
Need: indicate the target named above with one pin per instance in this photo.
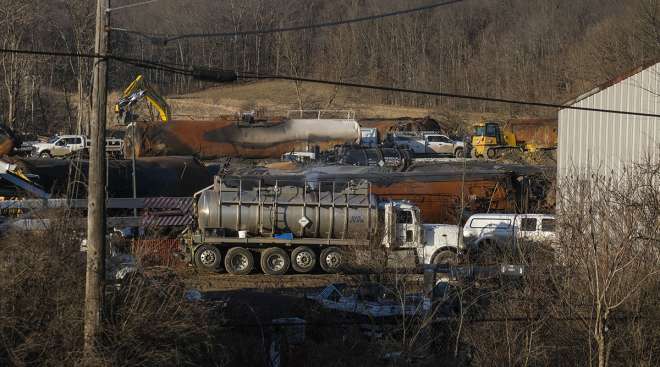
(491, 153)
(239, 261)
(445, 257)
(275, 261)
(208, 258)
(331, 260)
(303, 259)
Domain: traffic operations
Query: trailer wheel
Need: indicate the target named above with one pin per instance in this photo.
(275, 261)
(491, 153)
(331, 260)
(208, 258)
(239, 261)
(303, 259)
(445, 257)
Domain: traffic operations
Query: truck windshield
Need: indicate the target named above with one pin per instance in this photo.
(479, 131)
(404, 217)
(53, 139)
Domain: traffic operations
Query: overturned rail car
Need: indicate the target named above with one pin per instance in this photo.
(8, 140)
(155, 176)
(230, 138)
(539, 132)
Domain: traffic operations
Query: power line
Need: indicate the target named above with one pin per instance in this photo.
(251, 75)
(447, 95)
(221, 76)
(168, 38)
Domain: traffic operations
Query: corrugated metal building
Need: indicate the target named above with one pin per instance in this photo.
(607, 142)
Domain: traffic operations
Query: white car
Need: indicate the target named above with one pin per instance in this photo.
(482, 230)
(430, 143)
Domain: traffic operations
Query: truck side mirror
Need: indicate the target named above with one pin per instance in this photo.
(389, 237)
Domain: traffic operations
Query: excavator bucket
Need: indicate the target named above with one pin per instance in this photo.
(136, 91)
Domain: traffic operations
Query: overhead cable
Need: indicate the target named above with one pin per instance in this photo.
(164, 38)
(223, 76)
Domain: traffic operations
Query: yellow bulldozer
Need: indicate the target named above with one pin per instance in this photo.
(492, 138)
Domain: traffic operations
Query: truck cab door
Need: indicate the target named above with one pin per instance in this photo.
(406, 228)
(76, 144)
(389, 235)
(439, 144)
(60, 148)
(433, 144)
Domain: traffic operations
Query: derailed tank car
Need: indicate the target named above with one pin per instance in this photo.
(155, 176)
(230, 138)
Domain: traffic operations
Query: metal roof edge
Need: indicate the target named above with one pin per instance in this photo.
(615, 80)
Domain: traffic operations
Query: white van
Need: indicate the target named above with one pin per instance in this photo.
(482, 230)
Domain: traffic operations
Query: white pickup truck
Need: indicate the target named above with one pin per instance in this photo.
(429, 143)
(482, 231)
(63, 145)
(59, 146)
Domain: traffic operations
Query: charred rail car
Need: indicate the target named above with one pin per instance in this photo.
(229, 138)
(8, 140)
(155, 176)
(539, 132)
(441, 191)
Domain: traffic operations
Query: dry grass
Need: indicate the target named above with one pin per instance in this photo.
(272, 98)
(147, 321)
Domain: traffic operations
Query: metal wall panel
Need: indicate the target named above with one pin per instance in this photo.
(605, 143)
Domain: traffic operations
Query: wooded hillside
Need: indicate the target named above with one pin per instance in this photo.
(541, 50)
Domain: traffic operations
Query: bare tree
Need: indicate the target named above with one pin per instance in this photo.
(608, 243)
(15, 20)
(80, 40)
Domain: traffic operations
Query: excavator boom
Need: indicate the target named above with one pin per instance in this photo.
(135, 91)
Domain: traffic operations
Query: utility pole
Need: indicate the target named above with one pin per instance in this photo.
(95, 279)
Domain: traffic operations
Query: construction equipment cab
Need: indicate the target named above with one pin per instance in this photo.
(135, 91)
(527, 135)
(489, 139)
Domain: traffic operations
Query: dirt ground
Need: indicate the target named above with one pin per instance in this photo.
(228, 282)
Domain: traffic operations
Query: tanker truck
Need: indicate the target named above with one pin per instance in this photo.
(279, 225)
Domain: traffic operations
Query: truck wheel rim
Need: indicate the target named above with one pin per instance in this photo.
(304, 259)
(333, 259)
(207, 257)
(239, 262)
(275, 262)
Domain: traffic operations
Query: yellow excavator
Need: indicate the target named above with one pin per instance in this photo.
(135, 91)
(490, 139)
